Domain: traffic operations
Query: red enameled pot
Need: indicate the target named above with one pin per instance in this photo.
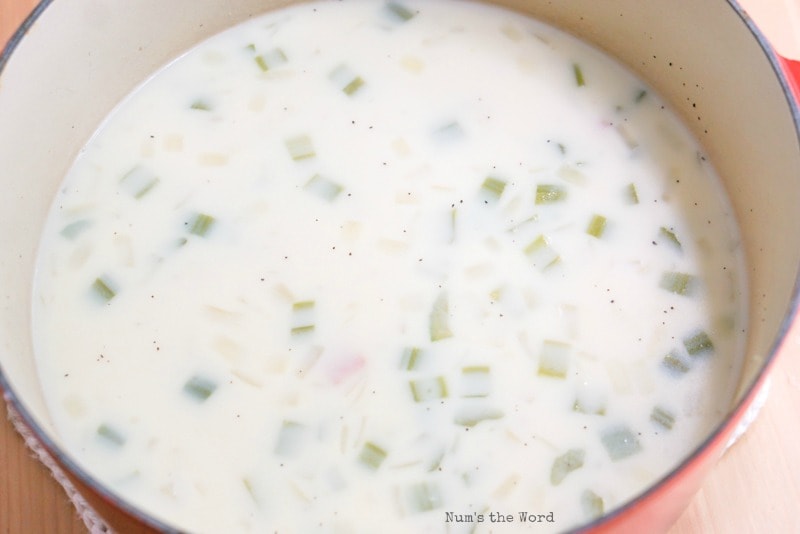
(72, 61)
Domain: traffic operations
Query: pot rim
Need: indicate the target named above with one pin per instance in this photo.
(791, 91)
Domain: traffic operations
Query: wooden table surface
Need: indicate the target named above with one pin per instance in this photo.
(754, 489)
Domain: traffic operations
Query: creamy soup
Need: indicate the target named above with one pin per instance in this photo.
(388, 267)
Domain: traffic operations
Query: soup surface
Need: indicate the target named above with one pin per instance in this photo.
(388, 267)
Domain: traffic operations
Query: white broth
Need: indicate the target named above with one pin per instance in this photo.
(406, 267)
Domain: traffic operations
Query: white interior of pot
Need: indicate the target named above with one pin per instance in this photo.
(81, 57)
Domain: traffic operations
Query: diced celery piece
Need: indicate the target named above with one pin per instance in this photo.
(537, 244)
(300, 147)
(476, 381)
(371, 455)
(436, 461)
(74, 229)
(674, 363)
(104, 288)
(303, 305)
(345, 79)
(597, 225)
(449, 132)
(300, 330)
(579, 79)
(201, 224)
(411, 358)
(493, 186)
(289, 439)
(469, 415)
(111, 435)
(678, 283)
(302, 317)
(592, 504)
(565, 464)
(588, 408)
(248, 485)
(199, 388)
(541, 253)
(201, 105)
(270, 60)
(440, 319)
(138, 181)
(399, 11)
(669, 236)
(323, 187)
(427, 389)
(620, 443)
(424, 497)
(550, 193)
(354, 85)
(631, 194)
(554, 359)
(262, 63)
(662, 417)
(698, 344)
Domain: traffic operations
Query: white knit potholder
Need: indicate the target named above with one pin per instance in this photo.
(90, 518)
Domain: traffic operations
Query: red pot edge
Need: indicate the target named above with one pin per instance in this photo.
(791, 68)
(658, 508)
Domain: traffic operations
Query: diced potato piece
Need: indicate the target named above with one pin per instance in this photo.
(290, 438)
(554, 359)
